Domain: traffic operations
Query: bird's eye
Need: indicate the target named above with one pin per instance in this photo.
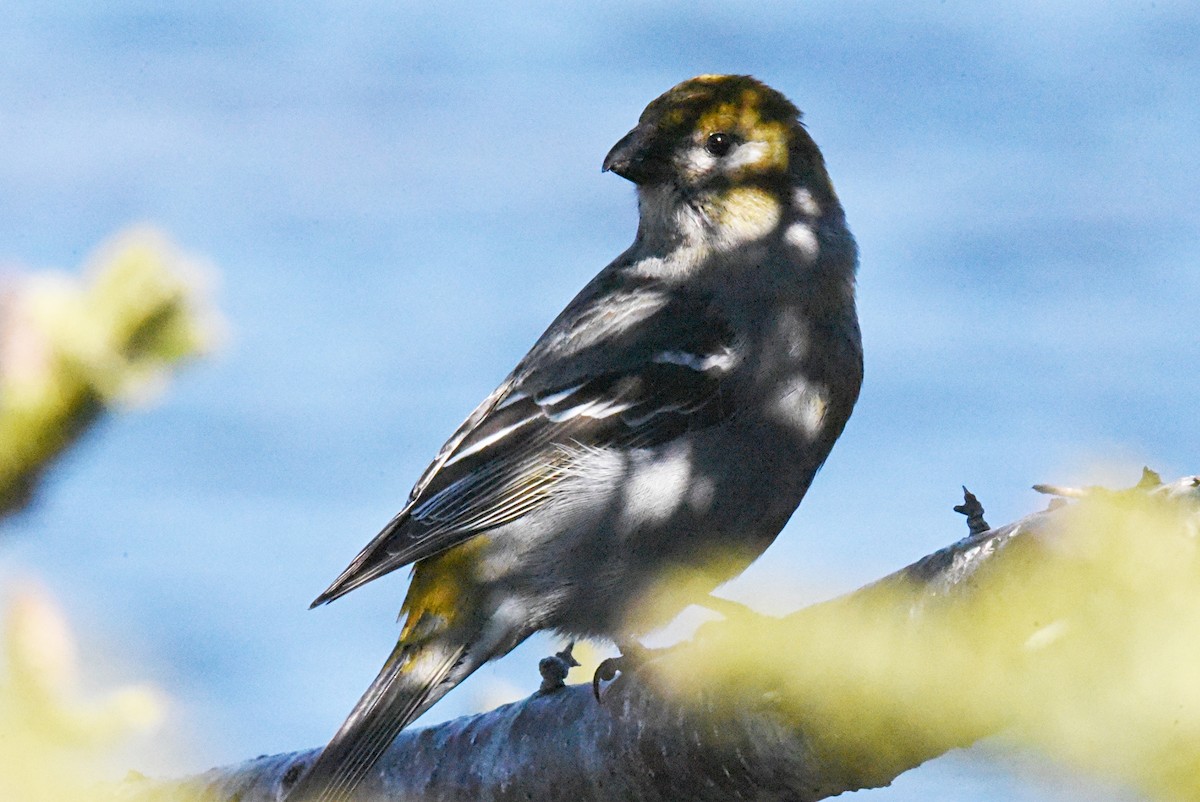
(720, 143)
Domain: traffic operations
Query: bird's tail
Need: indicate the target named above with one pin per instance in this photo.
(414, 677)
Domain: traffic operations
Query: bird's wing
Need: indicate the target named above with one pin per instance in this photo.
(627, 370)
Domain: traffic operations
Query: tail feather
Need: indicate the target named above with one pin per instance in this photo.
(411, 681)
(371, 563)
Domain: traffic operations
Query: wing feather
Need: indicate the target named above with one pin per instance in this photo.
(617, 385)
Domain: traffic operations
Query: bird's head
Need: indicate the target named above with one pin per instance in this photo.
(724, 157)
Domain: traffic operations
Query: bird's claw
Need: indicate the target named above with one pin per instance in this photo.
(606, 672)
(555, 667)
(632, 655)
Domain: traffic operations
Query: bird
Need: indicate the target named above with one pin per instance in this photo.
(666, 425)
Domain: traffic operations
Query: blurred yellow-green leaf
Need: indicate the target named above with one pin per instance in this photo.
(71, 347)
(1081, 641)
(55, 744)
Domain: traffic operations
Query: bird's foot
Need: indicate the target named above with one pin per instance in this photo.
(554, 669)
(632, 656)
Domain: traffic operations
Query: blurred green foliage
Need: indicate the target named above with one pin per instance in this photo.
(56, 744)
(70, 348)
(1078, 637)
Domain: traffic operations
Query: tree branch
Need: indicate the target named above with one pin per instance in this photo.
(1025, 629)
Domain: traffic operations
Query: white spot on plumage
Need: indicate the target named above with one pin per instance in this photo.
(801, 404)
(599, 408)
(701, 494)
(721, 360)
(806, 203)
(699, 162)
(483, 443)
(636, 421)
(553, 398)
(745, 154)
(645, 485)
(801, 236)
(657, 484)
(792, 331)
(510, 400)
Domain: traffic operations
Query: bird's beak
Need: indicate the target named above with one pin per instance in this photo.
(635, 156)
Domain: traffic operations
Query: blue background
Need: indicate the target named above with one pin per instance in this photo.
(400, 197)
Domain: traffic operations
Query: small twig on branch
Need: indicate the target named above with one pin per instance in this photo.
(973, 509)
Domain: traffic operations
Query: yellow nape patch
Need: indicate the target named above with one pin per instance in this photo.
(436, 592)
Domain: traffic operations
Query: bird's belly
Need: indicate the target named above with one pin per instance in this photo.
(643, 531)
